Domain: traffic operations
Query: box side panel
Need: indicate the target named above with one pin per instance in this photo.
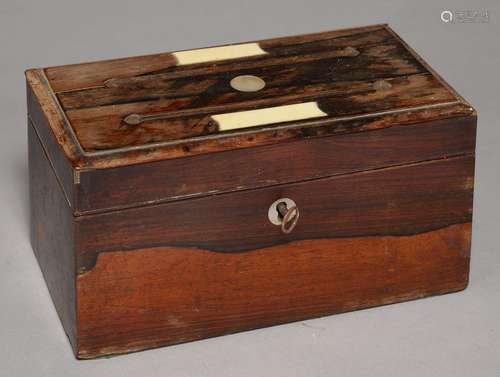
(264, 166)
(59, 162)
(52, 233)
(216, 265)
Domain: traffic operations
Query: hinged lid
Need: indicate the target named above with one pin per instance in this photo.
(109, 116)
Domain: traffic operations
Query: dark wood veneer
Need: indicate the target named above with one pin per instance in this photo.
(243, 169)
(394, 201)
(52, 233)
(339, 70)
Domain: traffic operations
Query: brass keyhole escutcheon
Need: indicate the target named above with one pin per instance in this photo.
(247, 83)
(285, 213)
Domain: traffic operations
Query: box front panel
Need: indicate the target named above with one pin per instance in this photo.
(203, 267)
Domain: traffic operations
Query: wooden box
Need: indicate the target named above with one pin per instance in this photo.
(186, 195)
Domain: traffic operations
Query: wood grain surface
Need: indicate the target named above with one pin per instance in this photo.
(52, 234)
(167, 295)
(77, 76)
(367, 74)
(103, 128)
(392, 201)
(203, 267)
(248, 168)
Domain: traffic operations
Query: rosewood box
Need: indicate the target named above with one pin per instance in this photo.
(185, 195)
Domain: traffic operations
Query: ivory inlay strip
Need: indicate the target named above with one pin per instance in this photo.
(203, 55)
(270, 115)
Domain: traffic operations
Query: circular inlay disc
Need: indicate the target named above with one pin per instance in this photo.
(133, 119)
(247, 83)
(382, 85)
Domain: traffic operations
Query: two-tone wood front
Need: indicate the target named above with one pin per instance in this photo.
(203, 267)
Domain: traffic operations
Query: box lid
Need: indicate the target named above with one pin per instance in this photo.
(119, 113)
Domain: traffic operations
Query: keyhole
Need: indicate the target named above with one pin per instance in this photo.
(281, 208)
(278, 210)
